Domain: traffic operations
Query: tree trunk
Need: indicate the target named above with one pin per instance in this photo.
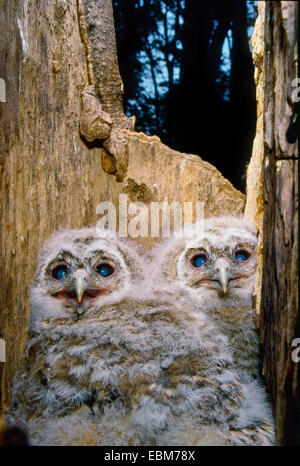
(105, 76)
(272, 190)
(64, 148)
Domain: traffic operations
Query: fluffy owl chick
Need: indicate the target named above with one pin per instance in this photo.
(114, 360)
(215, 261)
(77, 270)
(218, 265)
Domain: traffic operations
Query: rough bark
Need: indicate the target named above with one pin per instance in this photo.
(254, 192)
(51, 177)
(272, 200)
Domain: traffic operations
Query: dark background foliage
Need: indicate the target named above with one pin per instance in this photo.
(188, 76)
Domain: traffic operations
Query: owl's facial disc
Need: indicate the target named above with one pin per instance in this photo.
(222, 274)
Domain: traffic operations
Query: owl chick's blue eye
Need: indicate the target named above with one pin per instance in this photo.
(198, 260)
(60, 272)
(242, 255)
(104, 269)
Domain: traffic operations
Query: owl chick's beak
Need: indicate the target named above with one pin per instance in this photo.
(80, 287)
(223, 276)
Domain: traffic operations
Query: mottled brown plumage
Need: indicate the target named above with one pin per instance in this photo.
(116, 358)
(214, 261)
